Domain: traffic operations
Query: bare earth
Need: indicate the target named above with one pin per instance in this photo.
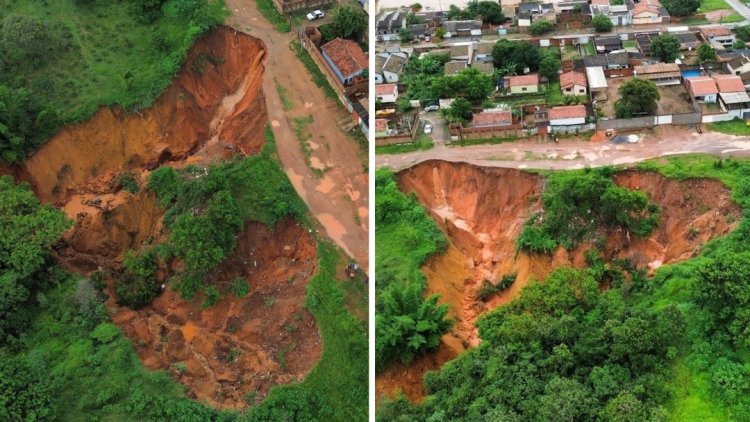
(339, 199)
(572, 154)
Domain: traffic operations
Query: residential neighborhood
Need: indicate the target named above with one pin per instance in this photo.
(499, 72)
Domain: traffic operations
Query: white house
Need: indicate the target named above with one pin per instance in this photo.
(702, 88)
(386, 93)
(574, 115)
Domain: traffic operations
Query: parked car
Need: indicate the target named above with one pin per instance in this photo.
(311, 16)
(433, 107)
(428, 129)
(319, 14)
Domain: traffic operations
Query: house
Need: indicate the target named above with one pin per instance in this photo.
(607, 44)
(390, 22)
(662, 74)
(386, 93)
(618, 60)
(644, 40)
(523, 84)
(381, 127)
(392, 68)
(729, 83)
(484, 67)
(493, 118)
(573, 83)
(620, 15)
(688, 40)
(380, 60)
(597, 83)
(483, 52)
(649, 12)
(462, 28)
(721, 34)
(345, 58)
(574, 115)
(463, 51)
(453, 67)
(739, 66)
(702, 88)
(419, 30)
(528, 13)
(736, 104)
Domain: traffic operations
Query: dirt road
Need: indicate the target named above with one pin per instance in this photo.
(568, 154)
(339, 198)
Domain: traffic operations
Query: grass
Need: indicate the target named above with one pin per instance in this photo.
(315, 73)
(304, 136)
(711, 5)
(571, 53)
(695, 21)
(112, 59)
(286, 102)
(421, 143)
(554, 94)
(732, 127)
(487, 141)
(589, 48)
(733, 17)
(272, 14)
(629, 44)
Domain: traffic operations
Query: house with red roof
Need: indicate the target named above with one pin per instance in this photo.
(493, 118)
(702, 88)
(574, 83)
(649, 12)
(345, 58)
(523, 84)
(574, 115)
(386, 93)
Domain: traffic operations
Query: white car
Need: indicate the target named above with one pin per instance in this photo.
(319, 14)
(432, 108)
(427, 129)
(311, 17)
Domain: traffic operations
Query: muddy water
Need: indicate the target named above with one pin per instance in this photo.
(482, 210)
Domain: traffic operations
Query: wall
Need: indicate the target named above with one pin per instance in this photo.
(286, 6)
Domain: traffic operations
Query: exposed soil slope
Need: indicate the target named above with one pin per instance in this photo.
(242, 345)
(483, 210)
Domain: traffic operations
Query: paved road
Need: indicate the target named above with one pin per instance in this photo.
(338, 199)
(569, 154)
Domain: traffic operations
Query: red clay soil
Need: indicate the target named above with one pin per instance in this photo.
(482, 210)
(239, 345)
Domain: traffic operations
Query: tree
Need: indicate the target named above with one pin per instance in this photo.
(147, 11)
(540, 27)
(706, 53)
(549, 66)
(28, 230)
(637, 97)
(601, 23)
(522, 54)
(25, 120)
(415, 7)
(722, 290)
(27, 43)
(459, 111)
(407, 325)
(405, 35)
(25, 393)
(681, 7)
(742, 32)
(488, 11)
(739, 44)
(665, 47)
(412, 19)
(349, 22)
(440, 33)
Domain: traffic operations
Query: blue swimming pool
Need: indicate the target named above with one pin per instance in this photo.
(690, 73)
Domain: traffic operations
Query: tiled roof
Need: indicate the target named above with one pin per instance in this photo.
(657, 68)
(566, 112)
(484, 48)
(701, 85)
(569, 79)
(484, 67)
(394, 64)
(451, 68)
(716, 31)
(729, 83)
(523, 80)
(492, 118)
(346, 55)
(385, 89)
(459, 50)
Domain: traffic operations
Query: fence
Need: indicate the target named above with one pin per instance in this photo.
(288, 6)
(401, 138)
(650, 121)
(573, 129)
(458, 132)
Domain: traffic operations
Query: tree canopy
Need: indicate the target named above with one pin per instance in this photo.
(681, 7)
(637, 97)
(665, 47)
(601, 23)
(349, 22)
(521, 54)
(706, 53)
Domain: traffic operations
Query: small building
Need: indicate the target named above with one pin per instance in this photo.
(739, 66)
(485, 67)
(390, 22)
(530, 12)
(393, 68)
(720, 34)
(662, 74)
(345, 58)
(483, 52)
(649, 12)
(454, 67)
(523, 84)
(619, 15)
(463, 51)
(574, 115)
(381, 127)
(610, 61)
(688, 40)
(702, 88)
(729, 83)
(493, 118)
(573, 83)
(462, 28)
(597, 83)
(380, 60)
(737, 104)
(386, 93)
(607, 44)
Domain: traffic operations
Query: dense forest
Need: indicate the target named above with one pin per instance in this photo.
(61, 60)
(672, 347)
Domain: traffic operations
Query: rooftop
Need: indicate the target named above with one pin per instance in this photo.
(493, 118)
(734, 97)
(569, 79)
(394, 64)
(451, 68)
(595, 77)
(716, 31)
(657, 68)
(381, 125)
(386, 89)
(522, 80)
(567, 112)
(702, 85)
(729, 83)
(346, 55)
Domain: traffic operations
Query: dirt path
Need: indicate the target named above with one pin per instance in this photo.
(568, 154)
(338, 199)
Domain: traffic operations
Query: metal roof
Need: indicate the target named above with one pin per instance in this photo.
(595, 77)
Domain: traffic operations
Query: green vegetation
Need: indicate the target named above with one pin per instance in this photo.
(347, 21)
(541, 27)
(711, 5)
(315, 73)
(681, 7)
(706, 53)
(406, 324)
(665, 47)
(61, 60)
(469, 83)
(737, 127)
(488, 11)
(576, 205)
(589, 48)
(602, 23)
(272, 14)
(421, 143)
(732, 18)
(638, 97)
(286, 102)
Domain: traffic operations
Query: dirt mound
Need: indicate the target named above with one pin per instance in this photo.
(217, 96)
(483, 210)
(239, 345)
